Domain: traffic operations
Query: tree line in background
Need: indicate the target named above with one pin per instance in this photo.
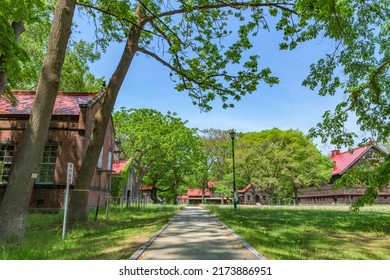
(171, 157)
(192, 39)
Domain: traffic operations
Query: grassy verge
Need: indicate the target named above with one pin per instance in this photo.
(311, 233)
(117, 237)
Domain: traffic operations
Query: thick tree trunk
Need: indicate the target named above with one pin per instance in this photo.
(17, 196)
(79, 201)
(18, 28)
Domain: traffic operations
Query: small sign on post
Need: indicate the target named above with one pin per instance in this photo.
(69, 181)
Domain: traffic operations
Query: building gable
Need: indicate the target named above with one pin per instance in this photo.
(345, 160)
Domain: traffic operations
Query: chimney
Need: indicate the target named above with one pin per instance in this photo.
(335, 153)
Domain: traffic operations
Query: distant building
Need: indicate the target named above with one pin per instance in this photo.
(71, 126)
(251, 195)
(342, 162)
(194, 196)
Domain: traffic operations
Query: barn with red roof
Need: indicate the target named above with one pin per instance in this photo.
(342, 162)
(195, 196)
(70, 128)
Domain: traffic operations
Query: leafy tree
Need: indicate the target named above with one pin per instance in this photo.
(190, 38)
(181, 167)
(13, 17)
(280, 162)
(75, 74)
(27, 24)
(386, 145)
(163, 150)
(357, 66)
(218, 149)
(224, 188)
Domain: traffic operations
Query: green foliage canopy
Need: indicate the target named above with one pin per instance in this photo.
(217, 147)
(205, 44)
(21, 58)
(163, 151)
(75, 75)
(357, 66)
(281, 162)
(13, 17)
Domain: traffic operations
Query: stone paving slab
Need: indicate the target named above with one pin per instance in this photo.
(195, 234)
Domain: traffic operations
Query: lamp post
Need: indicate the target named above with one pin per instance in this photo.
(235, 195)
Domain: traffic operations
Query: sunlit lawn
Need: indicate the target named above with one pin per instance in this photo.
(117, 237)
(310, 233)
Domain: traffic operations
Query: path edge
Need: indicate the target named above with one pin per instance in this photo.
(145, 246)
(256, 253)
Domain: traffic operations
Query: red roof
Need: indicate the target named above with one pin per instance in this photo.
(67, 103)
(198, 192)
(245, 189)
(118, 166)
(211, 184)
(343, 161)
(147, 188)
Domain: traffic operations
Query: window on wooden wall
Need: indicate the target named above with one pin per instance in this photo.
(6, 156)
(48, 165)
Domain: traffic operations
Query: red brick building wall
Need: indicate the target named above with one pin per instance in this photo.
(69, 132)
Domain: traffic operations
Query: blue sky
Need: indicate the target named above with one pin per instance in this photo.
(287, 105)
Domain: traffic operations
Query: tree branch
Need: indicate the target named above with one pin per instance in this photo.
(220, 5)
(377, 12)
(107, 12)
(166, 26)
(159, 59)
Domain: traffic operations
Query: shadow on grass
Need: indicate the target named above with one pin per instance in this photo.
(117, 237)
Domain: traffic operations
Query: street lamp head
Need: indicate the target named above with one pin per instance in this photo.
(232, 134)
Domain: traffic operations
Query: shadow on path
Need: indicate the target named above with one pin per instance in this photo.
(194, 234)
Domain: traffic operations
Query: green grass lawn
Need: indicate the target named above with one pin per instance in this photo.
(115, 238)
(312, 233)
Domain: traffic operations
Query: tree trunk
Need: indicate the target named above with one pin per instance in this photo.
(17, 196)
(18, 28)
(79, 201)
(296, 200)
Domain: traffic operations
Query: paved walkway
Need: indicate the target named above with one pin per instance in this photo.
(194, 234)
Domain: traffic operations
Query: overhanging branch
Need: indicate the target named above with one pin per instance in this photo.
(107, 12)
(221, 5)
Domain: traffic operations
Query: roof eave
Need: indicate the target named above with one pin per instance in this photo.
(96, 98)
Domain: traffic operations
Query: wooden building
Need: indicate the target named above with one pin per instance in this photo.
(71, 125)
(251, 195)
(342, 162)
(130, 193)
